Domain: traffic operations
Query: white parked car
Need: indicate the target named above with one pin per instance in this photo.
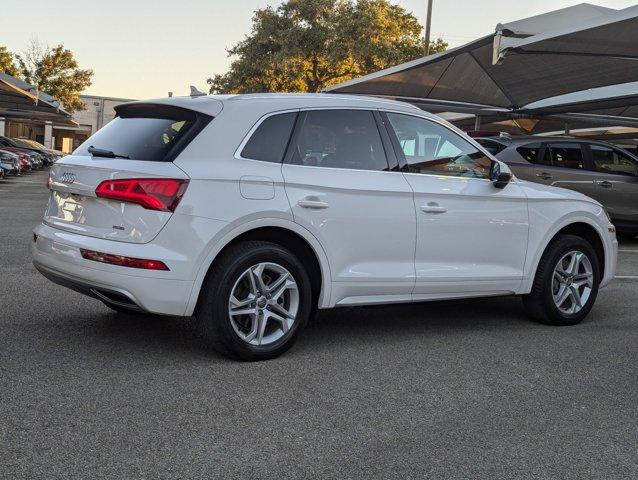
(252, 211)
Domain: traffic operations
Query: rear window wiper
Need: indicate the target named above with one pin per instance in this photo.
(100, 152)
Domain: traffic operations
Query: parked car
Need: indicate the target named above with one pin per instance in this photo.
(27, 158)
(37, 157)
(252, 211)
(47, 155)
(597, 169)
(54, 153)
(10, 163)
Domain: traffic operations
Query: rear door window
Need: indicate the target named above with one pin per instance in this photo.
(529, 152)
(146, 132)
(339, 139)
(565, 155)
(268, 143)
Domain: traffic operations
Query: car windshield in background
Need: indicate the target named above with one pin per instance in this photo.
(139, 137)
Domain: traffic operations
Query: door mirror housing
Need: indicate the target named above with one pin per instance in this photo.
(500, 177)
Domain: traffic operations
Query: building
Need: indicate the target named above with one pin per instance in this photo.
(26, 112)
(98, 112)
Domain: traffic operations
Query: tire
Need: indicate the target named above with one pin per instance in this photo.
(540, 303)
(239, 336)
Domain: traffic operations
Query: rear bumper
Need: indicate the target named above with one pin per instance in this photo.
(146, 290)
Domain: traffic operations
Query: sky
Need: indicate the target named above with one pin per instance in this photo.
(146, 48)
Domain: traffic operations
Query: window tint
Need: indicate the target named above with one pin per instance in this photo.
(339, 139)
(431, 148)
(565, 155)
(269, 141)
(145, 132)
(491, 146)
(608, 160)
(529, 152)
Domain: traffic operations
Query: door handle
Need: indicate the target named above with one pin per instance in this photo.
(604, 183)
(544, 176)
(433, 209)
(314, 204)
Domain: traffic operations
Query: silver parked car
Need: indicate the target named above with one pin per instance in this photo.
(597, 169)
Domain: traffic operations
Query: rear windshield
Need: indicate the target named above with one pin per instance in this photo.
(145, 132)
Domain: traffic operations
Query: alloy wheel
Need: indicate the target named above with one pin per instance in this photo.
(263, 304)
(572, 282)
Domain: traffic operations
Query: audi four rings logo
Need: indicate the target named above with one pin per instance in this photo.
(67, 177)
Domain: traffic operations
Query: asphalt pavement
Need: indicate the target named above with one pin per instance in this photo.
(459, 389)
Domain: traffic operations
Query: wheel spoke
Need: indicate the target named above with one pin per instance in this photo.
(282, 321)
(276, 308)
(563, 294)
(288, 285)
(262, 320)
(242, 311)
(572, 268)
(253, 329)
(257, 273)
(576, 297)
(241, 303)
(272, 287)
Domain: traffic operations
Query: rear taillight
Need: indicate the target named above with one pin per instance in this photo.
(123, 261)
(49, 182)
(152, 193)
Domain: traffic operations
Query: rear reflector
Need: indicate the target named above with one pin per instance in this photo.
(161, 194)
(123, 261)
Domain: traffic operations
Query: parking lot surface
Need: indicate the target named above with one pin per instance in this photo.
(468, 389)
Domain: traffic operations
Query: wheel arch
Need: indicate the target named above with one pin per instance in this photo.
(582, 227)
(286, 233)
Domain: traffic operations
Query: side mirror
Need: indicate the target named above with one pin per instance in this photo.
(499, 178)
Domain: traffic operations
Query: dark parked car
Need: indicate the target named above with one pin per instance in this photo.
(27, 157)
(39, 157)
(9, 163)
(597, 169)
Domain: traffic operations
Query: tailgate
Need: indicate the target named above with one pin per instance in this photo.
(75, 207)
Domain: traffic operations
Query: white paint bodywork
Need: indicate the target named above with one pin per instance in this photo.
(377, 241)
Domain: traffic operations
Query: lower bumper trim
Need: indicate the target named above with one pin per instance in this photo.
(114, 297)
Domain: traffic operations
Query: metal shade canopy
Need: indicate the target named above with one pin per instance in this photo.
(569, 50)
(20, 100)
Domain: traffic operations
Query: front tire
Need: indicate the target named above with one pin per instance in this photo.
(566, 282)
(255, 301)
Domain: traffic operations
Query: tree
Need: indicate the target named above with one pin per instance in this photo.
(55, 71)
(7, 62)
(308, 45)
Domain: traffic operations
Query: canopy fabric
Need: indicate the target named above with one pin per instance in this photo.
(468, 75)
(613, 33)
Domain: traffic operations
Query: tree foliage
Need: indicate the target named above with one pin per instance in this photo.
(55, 70)
(7, 62)
(308, 45)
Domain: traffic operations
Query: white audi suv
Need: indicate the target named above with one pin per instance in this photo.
(252, 211)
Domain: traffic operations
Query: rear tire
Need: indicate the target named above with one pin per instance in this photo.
(566, 282)
(248, 319)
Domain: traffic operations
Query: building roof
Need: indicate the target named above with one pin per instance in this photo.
(21, 100)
